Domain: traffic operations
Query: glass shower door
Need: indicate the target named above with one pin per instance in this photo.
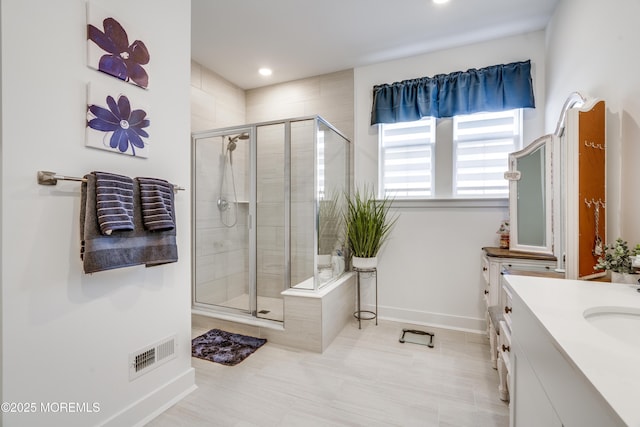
(272, 214)
(266, 213)
(221, 236)
(302, 203)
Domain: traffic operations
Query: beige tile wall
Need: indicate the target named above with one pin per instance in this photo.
(221, 252)
(215, 102)
(330, 96)
(221, 262)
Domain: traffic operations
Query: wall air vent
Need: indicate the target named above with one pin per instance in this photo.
(144, 360)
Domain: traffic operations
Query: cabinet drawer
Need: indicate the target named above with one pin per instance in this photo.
(517, 265)
(507, 305)
(485, 269)
(504, 344)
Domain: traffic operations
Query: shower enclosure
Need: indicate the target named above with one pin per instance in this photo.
(267, 206)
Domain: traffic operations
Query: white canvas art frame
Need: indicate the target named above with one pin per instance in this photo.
(114, 48)
(117, 119)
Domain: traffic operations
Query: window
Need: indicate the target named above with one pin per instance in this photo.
(479, 146)
(406, 158)
(482, 143)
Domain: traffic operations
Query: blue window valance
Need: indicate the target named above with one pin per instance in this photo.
(494, 88)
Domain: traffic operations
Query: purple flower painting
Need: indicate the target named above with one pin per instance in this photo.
(116, 56)
(112, 124)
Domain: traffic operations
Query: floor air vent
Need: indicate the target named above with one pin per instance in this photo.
(144, 360)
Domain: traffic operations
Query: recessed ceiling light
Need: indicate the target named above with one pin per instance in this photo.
(265, 71)
(440, 1)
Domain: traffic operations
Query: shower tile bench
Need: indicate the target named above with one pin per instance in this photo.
(312, 319)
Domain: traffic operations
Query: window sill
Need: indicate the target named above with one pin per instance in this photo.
(450, 203)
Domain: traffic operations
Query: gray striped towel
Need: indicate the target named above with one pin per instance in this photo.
(156, 202)
(114, 202)
(123, 249)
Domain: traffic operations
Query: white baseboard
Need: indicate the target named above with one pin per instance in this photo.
(436, 320)
(150, 406)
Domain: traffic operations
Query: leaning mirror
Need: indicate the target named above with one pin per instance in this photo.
(530, 196)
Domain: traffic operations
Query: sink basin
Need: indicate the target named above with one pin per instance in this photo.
(622, 323)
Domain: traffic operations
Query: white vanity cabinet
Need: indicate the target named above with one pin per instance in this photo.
(495, 261)
(529, 404)
(547, 386)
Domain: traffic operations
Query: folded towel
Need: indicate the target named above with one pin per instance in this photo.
(114, 198)
(101, 252)
(156, 200)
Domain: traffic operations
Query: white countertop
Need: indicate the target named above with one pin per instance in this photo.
(611, 365)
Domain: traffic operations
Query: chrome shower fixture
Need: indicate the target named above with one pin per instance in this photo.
(232, 140)
(231, 145)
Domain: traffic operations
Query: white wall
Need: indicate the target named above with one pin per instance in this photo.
(598, 57)
(66, 335)
(429, 271)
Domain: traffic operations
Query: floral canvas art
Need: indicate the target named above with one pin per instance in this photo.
(117, 122)
(110, 50)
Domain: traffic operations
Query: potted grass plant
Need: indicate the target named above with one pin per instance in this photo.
(368, 223)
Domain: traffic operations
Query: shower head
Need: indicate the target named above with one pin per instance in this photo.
(231, 145)
(232, 140)
(237, 137)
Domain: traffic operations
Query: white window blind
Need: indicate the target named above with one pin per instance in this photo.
(406, 158)
(482, 143)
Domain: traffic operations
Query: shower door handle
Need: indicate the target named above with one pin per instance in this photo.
(249, 221)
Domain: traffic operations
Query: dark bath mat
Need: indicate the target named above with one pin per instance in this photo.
(224, 347)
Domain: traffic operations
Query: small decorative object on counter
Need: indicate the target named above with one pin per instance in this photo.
(503, 231)
(620, 261)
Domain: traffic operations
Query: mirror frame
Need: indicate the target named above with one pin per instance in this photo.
(513, 175)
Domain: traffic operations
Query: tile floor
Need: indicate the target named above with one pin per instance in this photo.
(365, 378)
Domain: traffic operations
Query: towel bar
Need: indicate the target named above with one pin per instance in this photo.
(51, 178)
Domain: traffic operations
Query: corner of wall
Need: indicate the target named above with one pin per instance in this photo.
(150, 406)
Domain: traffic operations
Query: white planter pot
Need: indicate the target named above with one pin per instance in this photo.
(628, 278)
(364, 263)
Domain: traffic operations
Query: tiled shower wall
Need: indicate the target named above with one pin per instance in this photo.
(220, 252)
(330, 96)
(270, 257)
(221, 258)
(215, 102)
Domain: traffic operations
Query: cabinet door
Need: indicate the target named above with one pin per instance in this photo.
(485, 275)
(529, 406)
(494, 282)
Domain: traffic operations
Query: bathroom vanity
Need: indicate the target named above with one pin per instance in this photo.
(574, 353)
(495, 261)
